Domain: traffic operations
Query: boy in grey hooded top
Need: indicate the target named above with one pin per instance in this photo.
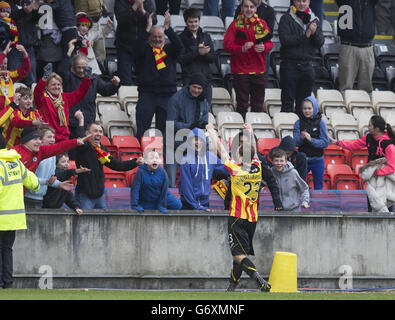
(294, 191)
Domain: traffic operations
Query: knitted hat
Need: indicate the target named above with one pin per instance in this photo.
(29, 133)
(5, 5)
(198, 78)
(83, 20)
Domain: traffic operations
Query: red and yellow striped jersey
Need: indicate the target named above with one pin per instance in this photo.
(245, 189)
(14, 125)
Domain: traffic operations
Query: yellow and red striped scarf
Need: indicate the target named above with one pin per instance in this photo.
(259, 30)
(59, 105)
(101, 155)
(159, 55)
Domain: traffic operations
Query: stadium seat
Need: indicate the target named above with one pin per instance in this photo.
(264, 145)
(195, 4)
(128, 147)
(331, 133)
(211, 119)
(154, 143)
(213, 25)
(323, 78)
(112, 99)
(116, 123)
(284, 122)
(358, 101)
(111, 149)
(361, 181)
(279, 5)
(228, 21)
(383, 102)
(345, 126)
(110, 182)
(221, 101)
(333, 154)
(326, 181)
(107, 107)
(363, 122)
(177, 23)
(229, 124)
(272, 102)
(357, 157)
(129, 175)
(261, 123)
(330, 54)
(330, 101)
(385, 55)
(327, 31)
(390, 75)
(128, 94)
(109, 173)
(342, 177)
(390, 119)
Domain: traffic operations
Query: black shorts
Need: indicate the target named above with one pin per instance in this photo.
(240, 235)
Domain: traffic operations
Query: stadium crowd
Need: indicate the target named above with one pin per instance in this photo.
(53, 66)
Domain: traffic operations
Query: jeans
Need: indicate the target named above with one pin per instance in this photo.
(211, 8)
(126, 64)
(7, 239)
(172, 203)
(87, 202)
(317, 168)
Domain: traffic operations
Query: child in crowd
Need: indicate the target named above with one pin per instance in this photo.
(23, 116)
(12, 30)
(87, 37)
(294, 191)
(196, 171)
(149, 190)
(55, 198)
(311, 136)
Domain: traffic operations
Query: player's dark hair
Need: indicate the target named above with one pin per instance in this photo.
(379, 123)
(191, 13)
(279, 153)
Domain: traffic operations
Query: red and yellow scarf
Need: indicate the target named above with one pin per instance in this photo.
(259, 29)
(159, 55)
(303, 15)
(101, 155)
(59, 105)
(13, 28)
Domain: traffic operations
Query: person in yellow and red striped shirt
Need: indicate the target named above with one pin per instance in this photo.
(23, 116)
(246, 175)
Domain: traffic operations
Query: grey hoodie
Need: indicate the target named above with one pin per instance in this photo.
(293, 189)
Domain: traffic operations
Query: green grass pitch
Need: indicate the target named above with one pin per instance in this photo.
(91, 294)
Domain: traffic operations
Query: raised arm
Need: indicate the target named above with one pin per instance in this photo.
(221, 151)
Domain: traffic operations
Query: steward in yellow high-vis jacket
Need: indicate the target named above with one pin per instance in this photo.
(13, 177)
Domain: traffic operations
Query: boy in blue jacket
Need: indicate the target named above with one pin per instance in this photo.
(196, 171)
(149, 190)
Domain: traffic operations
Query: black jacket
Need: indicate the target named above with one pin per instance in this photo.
(363, 21)
(131, 23)
(265, 12)
(149, 78)
(27, 26)
(55, 197)
(88, 104)
(63, 13)
(295, 46)
(190, 59)
(92, 183)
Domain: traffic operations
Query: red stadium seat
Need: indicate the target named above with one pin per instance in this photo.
(342, 177)
(111, 149)
(334, 154)
(356, 171)
(264, 145)
(154, 143)
(326, 183)
(109, 173)
(110, 182)
(128, 147)
(130, 175)
(358, 157)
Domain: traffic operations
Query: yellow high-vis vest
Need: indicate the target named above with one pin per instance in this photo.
(13, 177)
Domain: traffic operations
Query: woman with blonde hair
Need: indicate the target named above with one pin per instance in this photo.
(54, 104)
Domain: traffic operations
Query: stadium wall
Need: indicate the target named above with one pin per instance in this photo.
(121, 249)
